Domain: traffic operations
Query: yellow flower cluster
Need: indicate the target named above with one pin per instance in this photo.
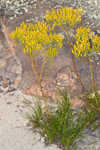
(86, 42)
(62, 16)
(38, 38)
(96, 41)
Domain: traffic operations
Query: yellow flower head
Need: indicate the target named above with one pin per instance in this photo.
(38, 38)
(86, 42)
(62, 16)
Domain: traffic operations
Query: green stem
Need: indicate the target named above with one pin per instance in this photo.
(95, 66)
(76, 71)
(73, 58)
(34, 66)
(42, 68)
(92, 74)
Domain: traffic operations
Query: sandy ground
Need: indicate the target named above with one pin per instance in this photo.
(14, 133)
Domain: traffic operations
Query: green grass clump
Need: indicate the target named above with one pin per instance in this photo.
(59, 126)
(92, 101)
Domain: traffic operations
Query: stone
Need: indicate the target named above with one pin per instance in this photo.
(8, 103)
(5, 83)
(11, 89)
(11, 18)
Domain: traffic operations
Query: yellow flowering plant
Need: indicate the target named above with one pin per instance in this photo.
(67, 19)
(86, 43)
(38, 40)
(68, 16)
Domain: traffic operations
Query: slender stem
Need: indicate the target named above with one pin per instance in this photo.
(73, 59)
(42, 68)
(95, 66)
(34, 66)
(76, 71)
(92, 74)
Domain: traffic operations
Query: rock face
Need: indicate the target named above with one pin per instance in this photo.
(14, 8)
(10, 67)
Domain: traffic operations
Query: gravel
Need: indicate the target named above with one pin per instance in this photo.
(14, 130)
